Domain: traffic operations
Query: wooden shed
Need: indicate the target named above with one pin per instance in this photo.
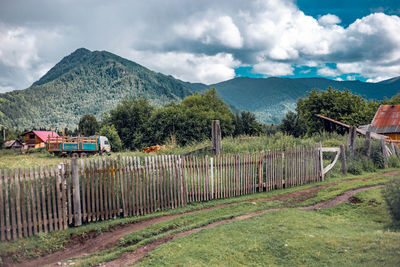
(36, 139)
(16, 144)
(387, 122)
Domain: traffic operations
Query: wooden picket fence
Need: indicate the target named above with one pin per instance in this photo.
(50, 198)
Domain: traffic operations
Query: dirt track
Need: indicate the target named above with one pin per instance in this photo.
(110, 239)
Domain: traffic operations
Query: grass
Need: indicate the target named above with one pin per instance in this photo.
(345, 235)
(243, 144)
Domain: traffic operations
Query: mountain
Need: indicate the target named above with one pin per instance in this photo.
(85, 82)
(271, 98)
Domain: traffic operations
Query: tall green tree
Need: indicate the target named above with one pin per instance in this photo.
(88, 125)
(111, 133)
(290, 124)
(341, 105)
(130, 119)
(190, 120)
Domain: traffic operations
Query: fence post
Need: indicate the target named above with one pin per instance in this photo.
(260, 172)
(368, 144)
(212, 177)
(321, 159)
(384, 152)
(343, 153)
(352, 140)
(76, 194)
(216, 137)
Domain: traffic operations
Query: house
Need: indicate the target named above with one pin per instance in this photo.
(387, 122)
(36, 139)
(15, 144)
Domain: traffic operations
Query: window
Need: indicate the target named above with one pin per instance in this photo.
(31, 137)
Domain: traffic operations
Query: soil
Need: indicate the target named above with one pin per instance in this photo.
(80, 246)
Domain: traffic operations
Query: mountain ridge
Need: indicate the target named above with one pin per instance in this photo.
(93, 82)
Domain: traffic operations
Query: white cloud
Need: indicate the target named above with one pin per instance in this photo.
(198, 41)
(326, 71)
(221, 30)
(339, 79)
(190, 67)
(329, 19)
(271, 68)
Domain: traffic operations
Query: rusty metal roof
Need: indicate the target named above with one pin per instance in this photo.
(386, 120)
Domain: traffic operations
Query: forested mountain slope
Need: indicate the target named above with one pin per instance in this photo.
(85, 82)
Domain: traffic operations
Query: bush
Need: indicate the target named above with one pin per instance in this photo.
(391, 194)
(394, 162)
(355, 166)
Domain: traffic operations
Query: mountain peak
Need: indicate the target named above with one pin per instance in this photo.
(65, 65)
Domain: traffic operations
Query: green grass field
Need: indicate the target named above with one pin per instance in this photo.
(345, 235)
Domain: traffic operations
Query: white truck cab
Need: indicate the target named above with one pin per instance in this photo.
(104, 144)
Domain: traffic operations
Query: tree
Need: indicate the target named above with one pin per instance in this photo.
(88, 125)
(130, 119)
(290, 124)
(250, 124)
(190, 120)
(111, 133)
(341, 105)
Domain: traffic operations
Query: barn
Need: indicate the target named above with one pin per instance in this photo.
(36, 139)
(387, 122)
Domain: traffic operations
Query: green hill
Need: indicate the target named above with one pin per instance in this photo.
(82, 83)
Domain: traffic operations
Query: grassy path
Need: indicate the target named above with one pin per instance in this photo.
(147, 232)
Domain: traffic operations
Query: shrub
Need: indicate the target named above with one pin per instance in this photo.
(394, 162)
(355, 166)
(391, 194)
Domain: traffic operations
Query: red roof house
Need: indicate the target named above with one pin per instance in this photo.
(38, 139)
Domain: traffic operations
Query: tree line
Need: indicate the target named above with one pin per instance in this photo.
(135, 124)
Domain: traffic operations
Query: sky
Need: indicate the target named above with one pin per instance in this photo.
(206, 41)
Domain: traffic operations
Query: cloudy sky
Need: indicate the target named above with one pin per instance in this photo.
(206, 41)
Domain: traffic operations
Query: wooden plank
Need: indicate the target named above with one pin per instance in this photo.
(154, 182)
(145, 187)
(7, 207)
(141, 187)
(76, 191)
(137, 187)
(92, 198)
(174, 182)
(43, 191)
(2, 211)
(164, 182)
(67, 173)
(18, 201)
(64, 192)
(28, 202)
(83, 189)
(52, 184)
(49, 199)
(106, 183)
(32, 188)
(116, 202)
(13, 197)
(97, 179)
(60, 210)
(121, 181)
(131, 188)
(101, 186)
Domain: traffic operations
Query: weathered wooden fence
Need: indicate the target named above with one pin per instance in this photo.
(84, 190)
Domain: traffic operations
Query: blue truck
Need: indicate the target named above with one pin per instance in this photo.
(78, 145)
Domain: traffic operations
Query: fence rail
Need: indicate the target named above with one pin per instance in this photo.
(45, 199)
